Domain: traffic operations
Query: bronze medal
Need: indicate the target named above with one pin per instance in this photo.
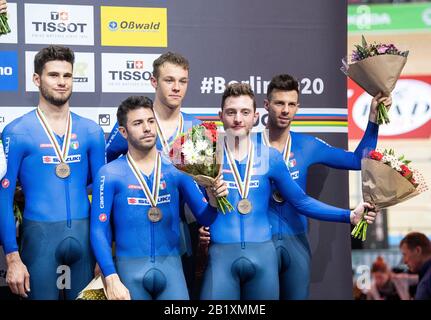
(154, 214)
(62, 170)
(244, 206)
(277, 197)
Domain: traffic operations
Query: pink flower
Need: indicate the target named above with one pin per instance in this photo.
(382, 49)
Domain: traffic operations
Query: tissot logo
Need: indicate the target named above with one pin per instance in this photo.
(64, 24)
(63, 16)
(127, 72)
(59, 22)
(139, 64)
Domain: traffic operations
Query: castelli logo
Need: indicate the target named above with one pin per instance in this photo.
(102, 217)
(5, 183)
(411, 108)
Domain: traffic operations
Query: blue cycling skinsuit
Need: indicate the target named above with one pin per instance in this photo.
(242, 257)
(147, 250)
(116, 146)
(55, 230)
(289, 227)
(2, 161)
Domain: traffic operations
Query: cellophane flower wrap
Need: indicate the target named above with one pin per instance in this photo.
(196, 154)
(375, 68)
(386, 181)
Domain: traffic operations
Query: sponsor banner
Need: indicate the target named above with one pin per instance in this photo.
(59, 24)
(410, 114)
(11, 37)
(313, 120)
(83, 72)
(122, 72)
(216, 84)
(8, 71)
(134, 26)
(389, 17)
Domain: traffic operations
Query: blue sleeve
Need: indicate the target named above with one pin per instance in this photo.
(204, 213)
(291, 192)
(2, 161)
(342, 159)
(15, 151)
(100, 226)
(116, 145)
(96, 152)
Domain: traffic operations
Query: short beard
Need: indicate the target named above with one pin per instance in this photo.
(140, 147)
(53, 100)
(273, 124)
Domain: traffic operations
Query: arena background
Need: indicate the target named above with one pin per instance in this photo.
(407, 24)
(243, 40)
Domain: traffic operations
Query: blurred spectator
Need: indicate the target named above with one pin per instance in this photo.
(416, 250)
(358, 294)
(386, 285)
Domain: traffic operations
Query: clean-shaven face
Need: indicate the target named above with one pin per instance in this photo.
(238, 115)
(171, 85)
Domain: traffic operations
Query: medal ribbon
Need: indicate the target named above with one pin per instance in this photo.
(153, 195)
(287, 146)
(61, 153)
(242, 186)
(163, 140)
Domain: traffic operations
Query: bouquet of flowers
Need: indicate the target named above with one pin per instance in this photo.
(196, 154)
(387, 180)
(376, 68)
(4, 25)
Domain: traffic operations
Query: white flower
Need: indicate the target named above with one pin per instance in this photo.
(188, 147)
(191, 158)
(209, 152)
(201, 145)
(201, 159)
(209, 160)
